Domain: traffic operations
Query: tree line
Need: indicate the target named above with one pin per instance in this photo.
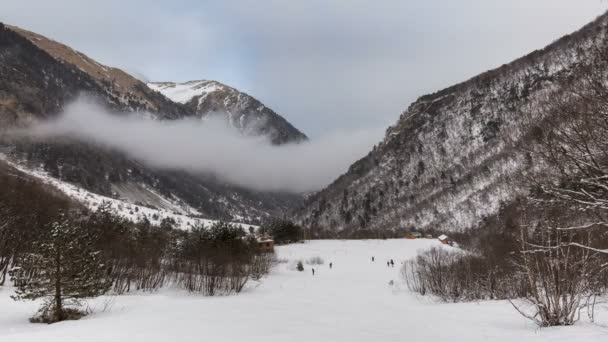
(53, 249)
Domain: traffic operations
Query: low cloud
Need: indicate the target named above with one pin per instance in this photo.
(210, 146)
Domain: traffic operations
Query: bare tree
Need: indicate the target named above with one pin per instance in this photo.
(562, 251)
(562, 278)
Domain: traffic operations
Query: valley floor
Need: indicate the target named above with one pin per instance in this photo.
(351, 302)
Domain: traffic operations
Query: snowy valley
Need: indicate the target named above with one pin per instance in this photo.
(133, 208)
(350, 302)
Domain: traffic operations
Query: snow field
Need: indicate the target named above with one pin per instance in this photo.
(351, 302)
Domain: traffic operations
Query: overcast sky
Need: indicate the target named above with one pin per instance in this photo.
(324, 65)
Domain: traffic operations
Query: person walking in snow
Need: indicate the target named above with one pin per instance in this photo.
(331, 264)
(388, 264)
(392, 263)
(313, 271)
(372, 259)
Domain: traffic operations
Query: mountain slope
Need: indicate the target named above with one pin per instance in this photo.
(38, 77)
(452, 157)
(242, 111)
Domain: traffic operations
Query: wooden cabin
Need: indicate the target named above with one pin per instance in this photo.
(413, 235)
(444, 239)
(265, 245)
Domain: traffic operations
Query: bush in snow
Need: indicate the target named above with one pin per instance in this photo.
(563, 265)
(219, 260)
(280, 260)
(458, 276)
(261, 265)
(317, 260)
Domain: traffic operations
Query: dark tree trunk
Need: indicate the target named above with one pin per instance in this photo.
(58, 303)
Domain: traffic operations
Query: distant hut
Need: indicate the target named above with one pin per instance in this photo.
(265, 245)
(444, 239)
(413, 235)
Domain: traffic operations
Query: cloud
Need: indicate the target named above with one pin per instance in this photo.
(213, 147)
(323, 65)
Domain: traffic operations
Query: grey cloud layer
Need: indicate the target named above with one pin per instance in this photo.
(213, 147)
(322, 64)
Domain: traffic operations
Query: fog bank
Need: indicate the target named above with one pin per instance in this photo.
(211, 146)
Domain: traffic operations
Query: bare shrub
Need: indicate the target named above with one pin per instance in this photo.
(316, 260)
(277, 260)
(218, 260)
(261, 265)
(457, 276)
(563, 271)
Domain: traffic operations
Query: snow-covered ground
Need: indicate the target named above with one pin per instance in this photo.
(351, 302)
(174, 208)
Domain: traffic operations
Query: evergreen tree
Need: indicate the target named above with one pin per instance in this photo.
(282, 231)
(63, 268)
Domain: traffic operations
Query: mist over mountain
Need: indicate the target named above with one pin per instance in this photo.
(39, 77)
(211, 146)
(239, 110)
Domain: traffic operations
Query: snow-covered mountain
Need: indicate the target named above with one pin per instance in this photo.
(153, 207)
(453, 157)
(240, 110)
(39, 76)
(185, 92)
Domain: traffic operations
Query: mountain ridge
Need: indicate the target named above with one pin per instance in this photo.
(241, 110)
(450, 158)
(39, 77)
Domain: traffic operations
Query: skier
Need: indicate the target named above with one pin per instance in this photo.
(372, 259)
(388, 264)
(331, 264)
(313, 271)
(392, 263)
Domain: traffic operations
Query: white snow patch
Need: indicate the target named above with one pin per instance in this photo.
(184, 92)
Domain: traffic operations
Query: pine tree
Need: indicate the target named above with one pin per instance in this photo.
(62, 268)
